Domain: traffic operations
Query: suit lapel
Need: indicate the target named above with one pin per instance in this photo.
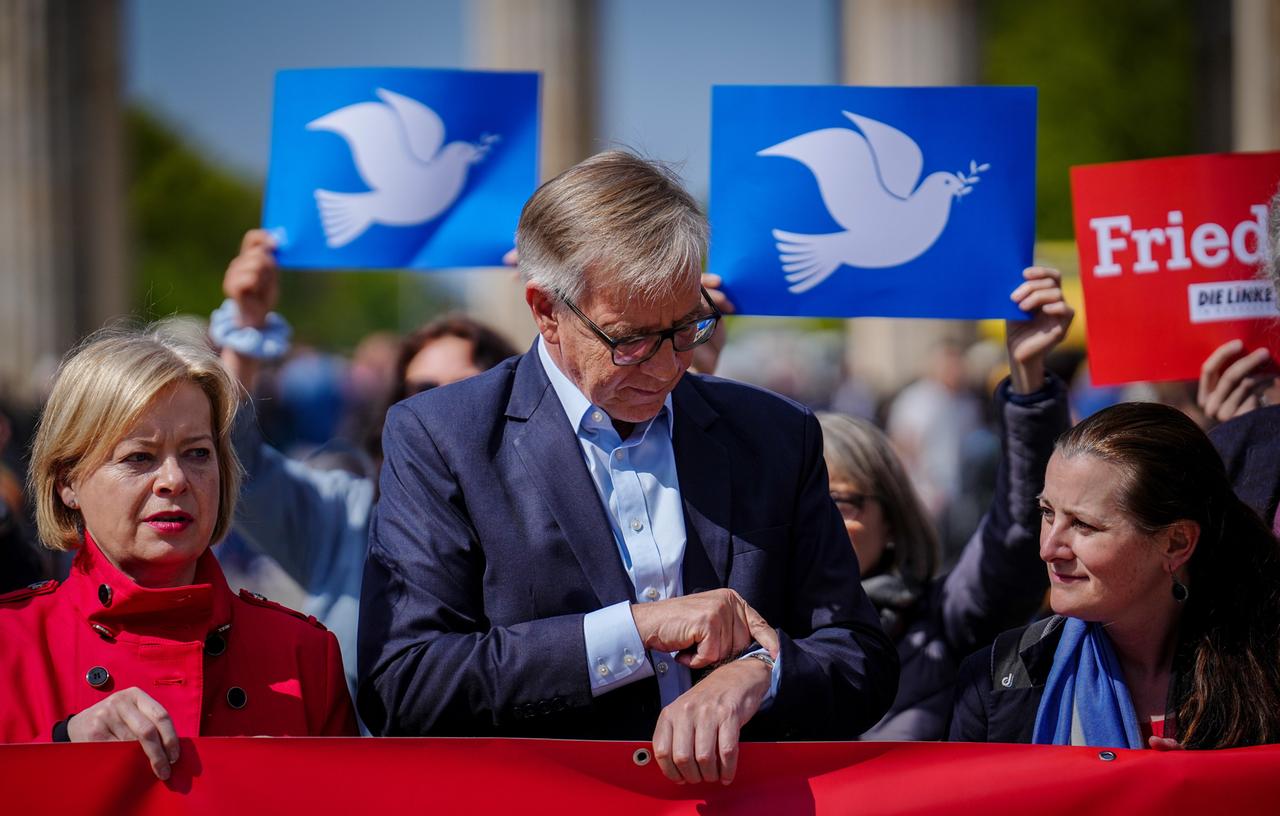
(702, 465)
(550, 451)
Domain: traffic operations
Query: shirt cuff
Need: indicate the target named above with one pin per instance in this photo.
(615, 653)
(775, 676)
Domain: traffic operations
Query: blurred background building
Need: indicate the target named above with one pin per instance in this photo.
(134, 134)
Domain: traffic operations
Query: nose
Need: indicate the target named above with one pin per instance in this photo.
(664, 364)
(1054, 545)
(171, 478)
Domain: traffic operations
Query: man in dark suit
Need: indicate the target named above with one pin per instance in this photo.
(586, 542)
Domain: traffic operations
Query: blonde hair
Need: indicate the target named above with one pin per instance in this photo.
(618, 214)
(102, 388)
(859, 452)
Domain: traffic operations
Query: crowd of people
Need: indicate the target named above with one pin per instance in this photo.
(600, 539)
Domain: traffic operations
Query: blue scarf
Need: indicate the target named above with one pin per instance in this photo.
(1085, 699)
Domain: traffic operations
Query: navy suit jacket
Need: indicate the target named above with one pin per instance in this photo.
(490, 544)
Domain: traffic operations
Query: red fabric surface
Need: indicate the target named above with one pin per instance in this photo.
(310, 776)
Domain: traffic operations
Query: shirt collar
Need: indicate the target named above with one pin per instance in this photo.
(577, 406)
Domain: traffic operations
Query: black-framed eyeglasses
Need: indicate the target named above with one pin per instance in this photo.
(634, 350)
(851, 504)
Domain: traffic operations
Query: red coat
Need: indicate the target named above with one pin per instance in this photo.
(221, 665)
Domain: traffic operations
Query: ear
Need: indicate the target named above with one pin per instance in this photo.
(68, 496)
(542, 307)
(1179, 542)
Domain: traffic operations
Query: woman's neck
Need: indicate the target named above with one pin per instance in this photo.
(1143, 644)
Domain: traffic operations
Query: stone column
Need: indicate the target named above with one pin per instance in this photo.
(552, 37)
(1255, 66)
(62, 203)
(905, 42)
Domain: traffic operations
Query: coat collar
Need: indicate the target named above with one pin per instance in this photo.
(703, 468)
(114, 605)
(548, 447)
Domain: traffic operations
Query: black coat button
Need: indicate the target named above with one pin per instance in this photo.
(104, 594)
(236, 698)
(215, 644)
(98, 677)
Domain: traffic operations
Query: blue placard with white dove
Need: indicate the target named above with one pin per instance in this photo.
(838, 201)
(400, 167)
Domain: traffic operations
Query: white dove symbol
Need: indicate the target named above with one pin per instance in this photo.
(396, 145)
(868, 182)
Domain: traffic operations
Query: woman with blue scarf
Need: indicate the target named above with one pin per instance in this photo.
(1166, 589)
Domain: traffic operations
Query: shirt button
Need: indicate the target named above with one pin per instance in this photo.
(637, 525)
(104, 594)
(618, 454)
(603, 670)
(596, 416)
(661, 667)
(629, 659)
(651, 593)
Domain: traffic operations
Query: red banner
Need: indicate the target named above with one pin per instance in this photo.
(477, 776)
(1169, 256)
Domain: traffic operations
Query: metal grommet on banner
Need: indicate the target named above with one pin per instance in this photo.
(1106, 756)
(641, 756)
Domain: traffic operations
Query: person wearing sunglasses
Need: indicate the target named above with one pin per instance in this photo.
(588, 542)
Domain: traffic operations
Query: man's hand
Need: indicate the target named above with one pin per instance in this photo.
(705, 628)
(130, 714)
(1030, 341)
(707, 356)
(252, 278)
(1232, 382)
(696, 739)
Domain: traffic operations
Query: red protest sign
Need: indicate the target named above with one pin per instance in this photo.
(1169, 258)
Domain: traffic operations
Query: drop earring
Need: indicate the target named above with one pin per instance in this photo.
(1180, 592)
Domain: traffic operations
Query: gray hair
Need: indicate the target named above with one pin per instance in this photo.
(614, 213)
(859, 452)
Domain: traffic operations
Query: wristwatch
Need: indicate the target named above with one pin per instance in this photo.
(763, 656)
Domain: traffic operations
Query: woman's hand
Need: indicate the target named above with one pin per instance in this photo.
(1030, 341)
(1232, 382)
(130, 714)
(707, 356)
(252, 278)
(1163, 744)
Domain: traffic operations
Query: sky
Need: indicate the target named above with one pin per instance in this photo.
(207, 67)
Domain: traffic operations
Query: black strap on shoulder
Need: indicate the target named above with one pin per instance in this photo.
(1007, 668)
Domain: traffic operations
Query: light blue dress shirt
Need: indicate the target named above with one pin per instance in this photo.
(637, 483)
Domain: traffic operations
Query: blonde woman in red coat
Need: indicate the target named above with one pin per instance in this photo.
(133, 467)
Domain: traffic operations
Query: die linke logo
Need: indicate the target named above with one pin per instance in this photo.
(398, 146)
(1175, 246)
(869, 181)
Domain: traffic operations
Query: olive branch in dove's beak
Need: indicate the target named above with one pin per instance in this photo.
(971, 178)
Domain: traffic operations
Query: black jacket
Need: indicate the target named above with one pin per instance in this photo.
(1250, 448)
(999, 688)
(998, 582)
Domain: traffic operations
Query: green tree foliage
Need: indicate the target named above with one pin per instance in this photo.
(187, 218)
(1116, 82)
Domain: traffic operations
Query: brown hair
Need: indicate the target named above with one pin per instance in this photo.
(488, 348)
(101, 389)
(1229, 636)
